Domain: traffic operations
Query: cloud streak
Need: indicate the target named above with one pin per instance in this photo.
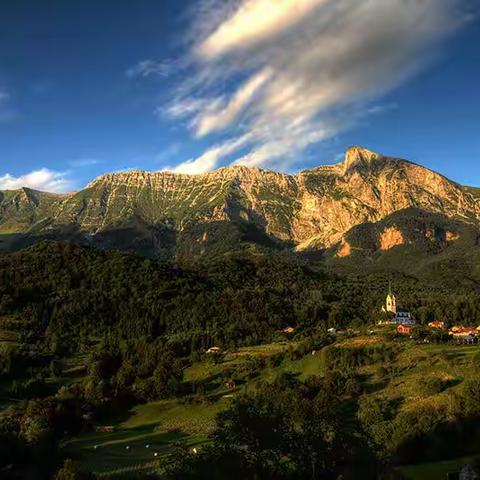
(43, 179)
(150, 67)
(85, 162)
(290, 73)
(209, 159)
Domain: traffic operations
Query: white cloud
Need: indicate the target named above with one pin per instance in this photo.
(312, 67)
(219, 118)
(212, 157)
(254, 21)
(43, 179)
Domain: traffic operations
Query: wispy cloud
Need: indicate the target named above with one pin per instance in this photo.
(168, 153)
(210, 159)
(43, 179)
(84, 162)
(150, 67)
(290, 73)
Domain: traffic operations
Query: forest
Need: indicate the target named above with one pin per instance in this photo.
(140, 323)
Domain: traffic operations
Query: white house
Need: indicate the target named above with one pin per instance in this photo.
(403, 317)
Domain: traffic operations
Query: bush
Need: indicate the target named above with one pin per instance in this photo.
(432, 385)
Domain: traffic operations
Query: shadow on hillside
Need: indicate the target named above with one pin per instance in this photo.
(163, 241)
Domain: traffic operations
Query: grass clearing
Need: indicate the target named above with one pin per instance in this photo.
(189, 421)
(157, 424)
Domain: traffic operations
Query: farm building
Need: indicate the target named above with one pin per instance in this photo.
(405, 329)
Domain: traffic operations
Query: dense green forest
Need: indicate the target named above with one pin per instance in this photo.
(140, 323)
(69, 296)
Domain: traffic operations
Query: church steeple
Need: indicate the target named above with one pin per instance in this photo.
(391, 304)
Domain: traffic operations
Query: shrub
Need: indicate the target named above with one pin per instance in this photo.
(432, 385)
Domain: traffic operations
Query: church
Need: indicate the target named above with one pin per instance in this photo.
(396, 315)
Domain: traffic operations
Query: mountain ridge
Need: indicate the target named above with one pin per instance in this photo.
(196, 214)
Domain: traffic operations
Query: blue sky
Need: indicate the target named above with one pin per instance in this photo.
(88, 87)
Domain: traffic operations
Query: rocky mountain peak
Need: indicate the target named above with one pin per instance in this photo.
(359, 157)
(312, 210)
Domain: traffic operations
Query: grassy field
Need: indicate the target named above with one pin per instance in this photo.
(160, 425)
(414, 364)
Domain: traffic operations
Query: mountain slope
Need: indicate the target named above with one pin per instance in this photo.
(169, 214)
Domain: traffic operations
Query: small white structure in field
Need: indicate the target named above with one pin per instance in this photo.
(155, 454)
(127, 447)
(194, 450)
(214, 350)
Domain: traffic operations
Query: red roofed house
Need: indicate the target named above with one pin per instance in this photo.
(405, 329)
(464, 334)
(437, 325)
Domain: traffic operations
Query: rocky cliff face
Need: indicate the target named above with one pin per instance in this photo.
(310, 211)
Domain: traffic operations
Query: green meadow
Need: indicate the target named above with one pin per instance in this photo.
(143, 436)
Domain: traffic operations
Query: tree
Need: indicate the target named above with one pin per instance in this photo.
(71, 471)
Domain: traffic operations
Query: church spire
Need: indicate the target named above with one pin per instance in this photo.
(391, 300)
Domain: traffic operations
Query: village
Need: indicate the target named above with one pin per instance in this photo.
(406, 323)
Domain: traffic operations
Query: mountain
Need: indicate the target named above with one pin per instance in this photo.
(368, 203)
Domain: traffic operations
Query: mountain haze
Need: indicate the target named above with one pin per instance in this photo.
(358, 204)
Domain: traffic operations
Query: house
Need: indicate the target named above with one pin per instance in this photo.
(464, 334)
(458, 331)
(213, 350)
(288, 330)
(105, 429)
(405, 329)
(403, 317)
(437, 325)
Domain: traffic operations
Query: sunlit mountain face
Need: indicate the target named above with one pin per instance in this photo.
(366, 204)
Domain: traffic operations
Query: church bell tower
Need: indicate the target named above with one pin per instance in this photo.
(391, 301)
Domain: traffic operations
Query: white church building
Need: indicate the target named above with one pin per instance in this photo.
(396, 315)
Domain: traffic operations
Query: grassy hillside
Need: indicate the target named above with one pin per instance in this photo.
(162, 425)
